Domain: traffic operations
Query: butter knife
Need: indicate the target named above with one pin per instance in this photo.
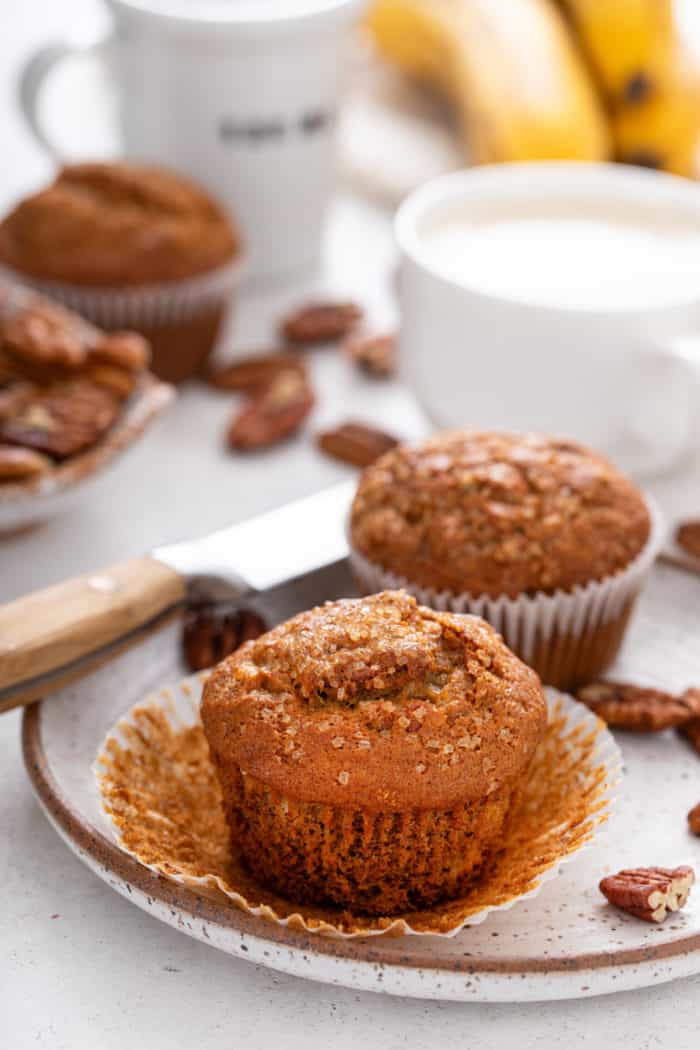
(54, 636)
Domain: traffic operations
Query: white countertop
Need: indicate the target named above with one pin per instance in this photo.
(79, 966)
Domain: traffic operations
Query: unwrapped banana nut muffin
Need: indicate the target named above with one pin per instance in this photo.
(369, 751)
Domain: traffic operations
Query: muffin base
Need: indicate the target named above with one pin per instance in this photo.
(567, 661)
(374, 862)
(180, 349)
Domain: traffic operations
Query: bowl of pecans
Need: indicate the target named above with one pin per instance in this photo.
(72, 398)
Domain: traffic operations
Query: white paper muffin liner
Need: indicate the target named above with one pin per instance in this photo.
(148, 305)
(525, 619)
(586, 759)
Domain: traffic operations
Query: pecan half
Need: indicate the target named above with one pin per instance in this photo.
(375, 354)
(124, 350)
(691, 729)
(44, 342)
(688, 537)
(118, 381)
(694, 819)
(320, 322)
(274, 414)
(649, 893)
(63, 420)
(15, 396)
(255, 371)
(212, 632)
(356, 443)
(19, 464)
(641, 710)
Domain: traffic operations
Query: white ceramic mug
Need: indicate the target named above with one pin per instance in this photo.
(624, 380)
(241, 94)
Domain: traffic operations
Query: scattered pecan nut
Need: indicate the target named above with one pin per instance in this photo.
(649, 893)
(688, 537)
(63, 420)
(691, 729)
(641, 710)
(212, 632)
(124, 350)
(320, 322)
(375, 354)
(20, 464)
(694, 819)
(356, 443)
(274, 414)
(255, 371)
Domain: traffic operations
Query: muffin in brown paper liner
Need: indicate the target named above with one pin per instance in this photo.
(162, 800)
(368, 750)
(130, 246)
(553, 541)
(340, 849)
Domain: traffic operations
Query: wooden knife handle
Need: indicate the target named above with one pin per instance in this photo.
(51, 629)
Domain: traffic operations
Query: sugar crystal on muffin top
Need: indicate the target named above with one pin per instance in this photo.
(348, 700)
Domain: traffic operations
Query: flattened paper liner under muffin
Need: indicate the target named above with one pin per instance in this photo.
(161, 798)
(141, 306)
(576, 619)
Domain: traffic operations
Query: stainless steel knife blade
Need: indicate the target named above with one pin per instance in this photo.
(52, 637)
(271, 549)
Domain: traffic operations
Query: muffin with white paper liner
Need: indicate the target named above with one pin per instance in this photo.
(163, 804)
(129, 246)
(541, 536)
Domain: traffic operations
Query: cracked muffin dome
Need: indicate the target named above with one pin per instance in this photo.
(369, 750)
(117, 224)
(487, 513)
(131, 246)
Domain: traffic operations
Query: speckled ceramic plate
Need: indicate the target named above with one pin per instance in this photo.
(566, 942)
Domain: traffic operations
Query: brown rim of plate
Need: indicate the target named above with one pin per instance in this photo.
(148, 400)
(389, 951)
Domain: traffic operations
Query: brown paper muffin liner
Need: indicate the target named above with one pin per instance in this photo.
(309, 853)
(568, 637)
(181, 319)
(162, 802)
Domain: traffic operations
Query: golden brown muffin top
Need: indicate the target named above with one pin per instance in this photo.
(498, 514)
(378, 703)
(117, 224)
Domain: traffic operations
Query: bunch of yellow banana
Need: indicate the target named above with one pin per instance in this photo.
(509, 67)
(537, 79)
(651, 82)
